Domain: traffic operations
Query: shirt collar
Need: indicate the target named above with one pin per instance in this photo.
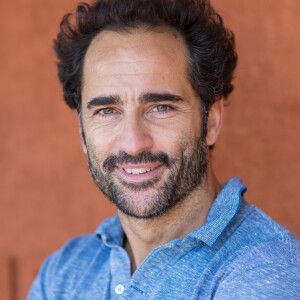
(221, 213)
(111, 232)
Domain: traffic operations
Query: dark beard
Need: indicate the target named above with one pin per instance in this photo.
(181, 181)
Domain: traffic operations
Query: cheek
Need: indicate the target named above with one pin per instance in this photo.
(183, 129)
(98, 148)
(171, 140)
(100, 138)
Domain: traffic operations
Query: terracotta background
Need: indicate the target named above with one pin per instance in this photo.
(46, 193)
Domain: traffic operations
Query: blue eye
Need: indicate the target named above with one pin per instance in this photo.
(106, 111)
(161, 108)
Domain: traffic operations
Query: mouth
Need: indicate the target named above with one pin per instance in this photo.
(138, 173)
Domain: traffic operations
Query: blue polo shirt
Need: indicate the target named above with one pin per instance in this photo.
(239, 253)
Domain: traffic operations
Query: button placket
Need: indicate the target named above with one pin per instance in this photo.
(119, 289)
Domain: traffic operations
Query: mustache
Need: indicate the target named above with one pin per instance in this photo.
(143, 157)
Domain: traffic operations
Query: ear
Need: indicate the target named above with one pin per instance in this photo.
(81, 134)
(214, 122)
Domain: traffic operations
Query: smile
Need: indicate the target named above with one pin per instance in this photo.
(137, 170)
(138, 173)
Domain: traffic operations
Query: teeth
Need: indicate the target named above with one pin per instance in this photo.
(138, 171)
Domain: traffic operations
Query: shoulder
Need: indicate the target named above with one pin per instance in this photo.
(253, 229)
(66, 266)
(84, 247)
(264, 231)
(265, 259)
(257, 238)
(265, 271)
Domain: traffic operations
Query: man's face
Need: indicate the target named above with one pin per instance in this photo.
(142, 120)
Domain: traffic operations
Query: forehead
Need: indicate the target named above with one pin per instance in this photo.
(110, 46)
(139, 58)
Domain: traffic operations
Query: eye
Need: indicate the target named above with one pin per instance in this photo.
(106, 111)
(161, 108)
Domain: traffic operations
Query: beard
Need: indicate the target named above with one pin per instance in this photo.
(148, 199)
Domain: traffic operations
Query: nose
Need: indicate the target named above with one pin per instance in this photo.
(134, 136)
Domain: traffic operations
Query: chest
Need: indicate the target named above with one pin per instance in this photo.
(172, 273)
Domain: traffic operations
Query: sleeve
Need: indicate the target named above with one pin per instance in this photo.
(40, 288)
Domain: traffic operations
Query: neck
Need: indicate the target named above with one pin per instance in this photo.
(143, 235)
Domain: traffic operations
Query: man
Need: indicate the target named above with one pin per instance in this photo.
(148, 79)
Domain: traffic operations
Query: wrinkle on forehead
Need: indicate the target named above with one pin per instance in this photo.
(146, 61)
(147, 36)
(147, 47)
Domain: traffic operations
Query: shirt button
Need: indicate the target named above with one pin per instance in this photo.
(119, 289)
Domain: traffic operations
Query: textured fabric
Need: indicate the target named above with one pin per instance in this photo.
(239, 253)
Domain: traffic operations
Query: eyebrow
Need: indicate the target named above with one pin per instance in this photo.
(157, 97)
(144, 98)
(104, 100)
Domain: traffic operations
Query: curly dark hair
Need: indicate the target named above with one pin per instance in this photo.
(212, 57)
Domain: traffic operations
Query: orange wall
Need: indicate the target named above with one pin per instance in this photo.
(46, 193)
